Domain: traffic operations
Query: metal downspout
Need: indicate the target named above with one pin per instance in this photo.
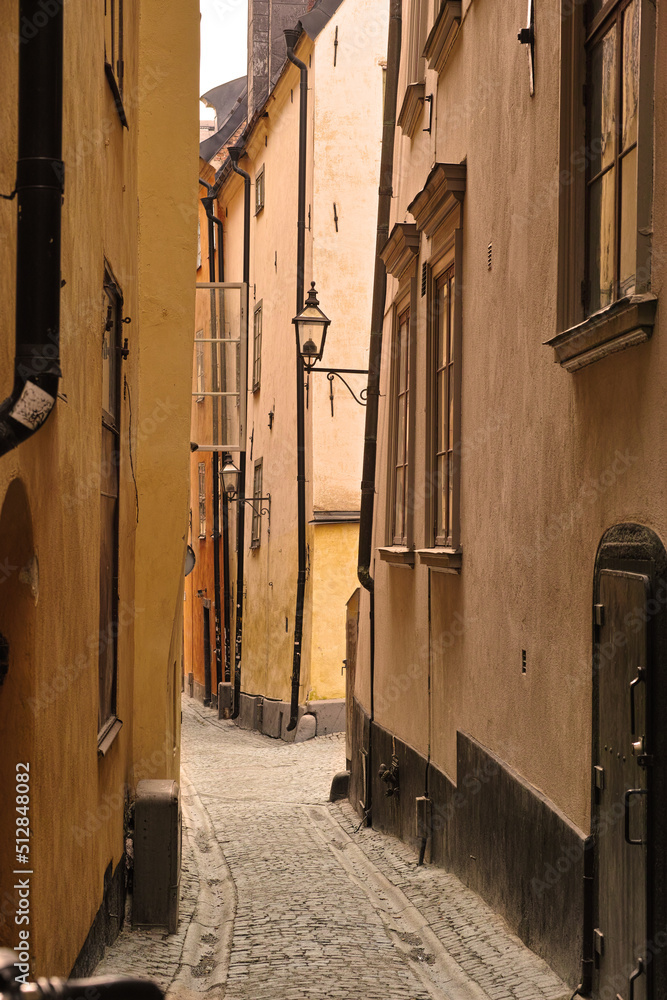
(235, 155)
(375, 355)
(207, 202)
(39, 189)
(291, 37)
(219, 383)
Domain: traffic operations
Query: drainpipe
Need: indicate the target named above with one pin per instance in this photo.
(235, 155)
(375, 356)
(39, 191)
(207, 202)
(291, 37)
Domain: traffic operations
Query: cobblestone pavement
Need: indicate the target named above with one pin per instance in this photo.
(284, 897)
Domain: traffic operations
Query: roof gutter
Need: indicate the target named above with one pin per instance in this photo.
(39, 189)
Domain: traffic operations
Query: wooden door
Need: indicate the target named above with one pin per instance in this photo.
(620, 770)
(351, 639)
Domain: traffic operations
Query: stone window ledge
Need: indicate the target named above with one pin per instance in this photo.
(623, 324)
(443, 34)
(398, 555)
(445, 560)
(411, 109)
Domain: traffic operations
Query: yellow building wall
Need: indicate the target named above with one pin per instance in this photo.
(118, 206)
(341, 263)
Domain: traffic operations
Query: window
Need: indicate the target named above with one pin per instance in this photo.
(199, 366)
(417, 34)
(257, 348)
(438, 214)
(259, 191)
(605, 197)
(256, 533)
(611, 134)
(443, 437)
(202, 500)
(108, 639)
(114, 66)
(401, 429)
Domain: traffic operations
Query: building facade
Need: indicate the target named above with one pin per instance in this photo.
(509, 685)
(338, 231)
(93, 504)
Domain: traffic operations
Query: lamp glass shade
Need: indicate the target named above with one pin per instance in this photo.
(230, 476)
(311, 329)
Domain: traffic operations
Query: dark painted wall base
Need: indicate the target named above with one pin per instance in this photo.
(107, 923)
(494, 830)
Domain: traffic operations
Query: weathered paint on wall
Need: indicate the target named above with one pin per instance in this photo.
(119, 209)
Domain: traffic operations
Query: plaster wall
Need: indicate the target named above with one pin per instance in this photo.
(49, 486)
(549, 459)
(347, 134)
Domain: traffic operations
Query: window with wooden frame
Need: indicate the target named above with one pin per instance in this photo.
(438, 214)
(259, 190)
(108, 724)
(202, 499)
(401, 429)
(114, 65)
(257, 347)
(199, 362)
(605, 209)
(443, 374)
(418, 26)
(256, 531)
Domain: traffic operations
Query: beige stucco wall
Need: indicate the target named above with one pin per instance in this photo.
(541, 477)
(341, 264)
(49, 486)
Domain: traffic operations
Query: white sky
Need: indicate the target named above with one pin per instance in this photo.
(224, 42)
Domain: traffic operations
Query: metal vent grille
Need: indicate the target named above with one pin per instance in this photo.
(489, 255)
(424, 276)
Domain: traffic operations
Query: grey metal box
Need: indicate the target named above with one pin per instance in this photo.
(157, 854)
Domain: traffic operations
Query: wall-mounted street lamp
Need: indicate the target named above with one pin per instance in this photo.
(311, 332)
(230, 478)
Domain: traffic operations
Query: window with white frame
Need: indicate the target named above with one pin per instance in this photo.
(259, 190)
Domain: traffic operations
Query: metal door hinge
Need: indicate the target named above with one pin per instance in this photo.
(599, 777)
(598, 941)
(598, 614)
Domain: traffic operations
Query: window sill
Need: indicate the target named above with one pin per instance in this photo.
(411, 109)
(440, 558)
(398, 555)
(107, 736)
(623, 324)
(117, 99)
(443, 34)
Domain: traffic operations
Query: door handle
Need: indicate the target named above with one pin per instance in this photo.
(634, 976)
(639, 679)
(627, 795)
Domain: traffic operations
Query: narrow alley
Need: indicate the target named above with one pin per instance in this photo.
(285, 897)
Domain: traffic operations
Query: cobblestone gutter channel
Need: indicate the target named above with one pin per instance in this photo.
(284, 897)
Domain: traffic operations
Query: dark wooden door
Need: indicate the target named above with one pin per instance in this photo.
(620, 787)
(351, 641)
(207, 652)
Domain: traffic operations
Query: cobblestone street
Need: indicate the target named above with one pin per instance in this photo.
(284, 897)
